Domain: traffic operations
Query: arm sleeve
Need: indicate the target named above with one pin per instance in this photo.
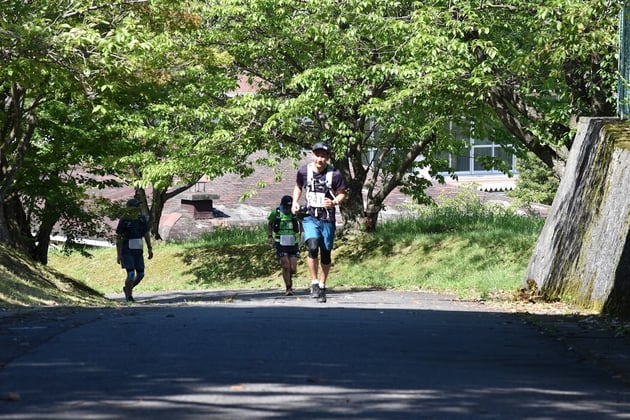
(146, 227)
(300, 178)
(119, 228)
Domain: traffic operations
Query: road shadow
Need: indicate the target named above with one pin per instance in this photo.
(370, 355)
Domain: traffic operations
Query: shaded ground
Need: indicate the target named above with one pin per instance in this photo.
(255, 354)
(601, 339)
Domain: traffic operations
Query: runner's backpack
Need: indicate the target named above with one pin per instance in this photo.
(278, 221)
(310, 180)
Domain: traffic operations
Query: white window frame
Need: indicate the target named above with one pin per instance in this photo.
(473, 147)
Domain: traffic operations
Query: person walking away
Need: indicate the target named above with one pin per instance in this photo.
(132, 228)
(324, 189)
(284, 230)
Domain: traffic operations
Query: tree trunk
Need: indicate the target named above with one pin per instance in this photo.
(17, 131)
(159, 197)
(352, 212)
(20, 236)
(42, 245)
(4, 225)
(360, 215)
(352, 209)
(157, 208)
(505, 102)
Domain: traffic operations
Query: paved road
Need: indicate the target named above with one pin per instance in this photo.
(236, 355)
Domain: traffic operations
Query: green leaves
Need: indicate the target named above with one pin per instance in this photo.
(151, 81)
(126, 89)
(392, 74)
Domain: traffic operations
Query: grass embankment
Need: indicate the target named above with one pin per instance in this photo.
(25, 283)
(461, 247)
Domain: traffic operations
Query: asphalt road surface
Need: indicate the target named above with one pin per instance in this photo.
(260, 355)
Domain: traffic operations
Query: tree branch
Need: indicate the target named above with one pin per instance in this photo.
(507, 105)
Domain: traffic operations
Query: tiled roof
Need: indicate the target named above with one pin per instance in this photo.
(232, 208)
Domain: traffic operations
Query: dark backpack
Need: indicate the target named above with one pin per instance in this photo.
(134, 228)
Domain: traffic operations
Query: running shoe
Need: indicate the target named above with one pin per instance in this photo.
(127, 293)
(321, 296)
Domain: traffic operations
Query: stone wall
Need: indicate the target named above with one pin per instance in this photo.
(583, 251)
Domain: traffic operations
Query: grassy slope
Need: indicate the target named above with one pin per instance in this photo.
(24, 283)
(471, 261)
(459, 248)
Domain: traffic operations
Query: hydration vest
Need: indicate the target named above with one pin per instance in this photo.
(285, 228)
(132, 232)
(317, 191)
(134, 228)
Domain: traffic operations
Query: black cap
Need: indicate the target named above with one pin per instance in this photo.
(287, 200)
(322, 146)
(133, 203)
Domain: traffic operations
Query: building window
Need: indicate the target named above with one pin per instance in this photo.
(470, 161)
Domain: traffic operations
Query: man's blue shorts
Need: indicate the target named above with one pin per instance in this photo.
(324, 231)
(133, 262)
